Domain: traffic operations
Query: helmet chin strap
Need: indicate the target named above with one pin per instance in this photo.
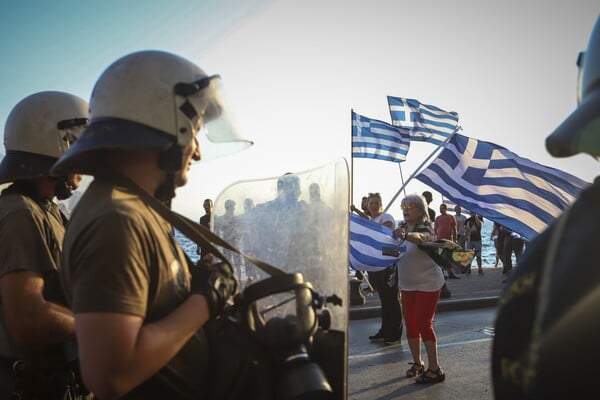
(166, 191)
(169, 161)
(62, 189)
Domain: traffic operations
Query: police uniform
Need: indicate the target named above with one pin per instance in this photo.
(547, 328)
(31, 233)
(547, 308)
(145, 273)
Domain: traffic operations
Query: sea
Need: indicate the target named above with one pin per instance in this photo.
(488, 251)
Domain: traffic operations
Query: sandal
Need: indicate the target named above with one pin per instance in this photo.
(431, 376)
(415, 370)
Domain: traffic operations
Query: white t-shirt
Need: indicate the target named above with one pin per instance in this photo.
(418, 271)
(460, 223)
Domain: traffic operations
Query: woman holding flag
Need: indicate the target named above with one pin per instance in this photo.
(420, 281)
(391, 313)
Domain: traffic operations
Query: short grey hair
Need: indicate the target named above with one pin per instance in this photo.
(417, 200)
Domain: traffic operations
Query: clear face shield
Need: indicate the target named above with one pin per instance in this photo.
(307, 239)
(208, 111)
(69, 130)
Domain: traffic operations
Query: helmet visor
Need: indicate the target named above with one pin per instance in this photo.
(219, 136)
(69, 130)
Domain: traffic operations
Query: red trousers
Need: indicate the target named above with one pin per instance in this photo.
(419, 309)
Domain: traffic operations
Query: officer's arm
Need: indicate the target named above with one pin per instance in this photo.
(30, 319)
(117, 352)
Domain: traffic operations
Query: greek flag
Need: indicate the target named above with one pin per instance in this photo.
(426, 123)
(499, 185)
(372, 245)
(376, 139)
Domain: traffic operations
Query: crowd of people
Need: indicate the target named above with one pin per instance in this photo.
(552, 294)
(104, 303)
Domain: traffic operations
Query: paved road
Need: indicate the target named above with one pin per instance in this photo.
(469, 292)
(376, 371)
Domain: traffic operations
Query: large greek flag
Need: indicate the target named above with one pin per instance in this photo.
(426, 123)
(499, 185)
(376, 139)
(372, 245)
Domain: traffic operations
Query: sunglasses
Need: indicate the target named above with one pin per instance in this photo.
(408, 206)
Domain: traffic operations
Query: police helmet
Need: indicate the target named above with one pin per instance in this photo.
(288, 186)
(153, 100)
(38, 130)
(580, 132)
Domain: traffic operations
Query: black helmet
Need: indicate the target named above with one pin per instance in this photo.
(580, 132)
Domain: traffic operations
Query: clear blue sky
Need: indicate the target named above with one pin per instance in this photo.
(294, 70)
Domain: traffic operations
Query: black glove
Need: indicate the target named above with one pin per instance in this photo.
(215, 282)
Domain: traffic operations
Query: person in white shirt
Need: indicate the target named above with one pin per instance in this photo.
(420, 281)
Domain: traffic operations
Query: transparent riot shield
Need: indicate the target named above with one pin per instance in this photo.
(298, 223)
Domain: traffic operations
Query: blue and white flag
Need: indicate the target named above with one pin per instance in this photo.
(372, 245)
(426, 123)
(376, 139)
(499, 185)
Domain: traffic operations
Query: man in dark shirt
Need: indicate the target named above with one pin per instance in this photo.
(429, 198)
(473, 233)
(205, 221)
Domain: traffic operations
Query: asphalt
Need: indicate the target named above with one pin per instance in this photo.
(469, 292)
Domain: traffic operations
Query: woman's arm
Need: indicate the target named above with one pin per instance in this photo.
(413, 237)
(359, 212)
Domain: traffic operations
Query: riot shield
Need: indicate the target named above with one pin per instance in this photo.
(298, 223)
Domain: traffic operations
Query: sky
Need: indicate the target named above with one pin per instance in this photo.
(293, 71)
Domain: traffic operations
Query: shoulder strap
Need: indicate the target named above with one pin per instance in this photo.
(543, 295)
(194, 231)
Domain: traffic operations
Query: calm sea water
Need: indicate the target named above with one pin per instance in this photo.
(488, 252)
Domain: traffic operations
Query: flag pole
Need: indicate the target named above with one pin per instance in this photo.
(363, 277)
(351, 162)
(402, 178)
(420, 167)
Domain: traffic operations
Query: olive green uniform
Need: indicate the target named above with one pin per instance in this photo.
(31, 233)
(120, 256)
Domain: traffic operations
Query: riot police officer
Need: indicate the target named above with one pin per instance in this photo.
(139, 307)
(35, 323)
(547, 327)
